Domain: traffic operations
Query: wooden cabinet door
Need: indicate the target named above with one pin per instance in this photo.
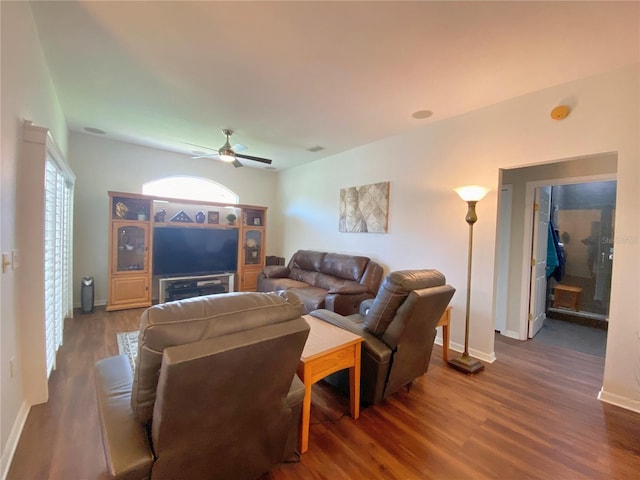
(130, 248)
(249, 281)
(129, 291)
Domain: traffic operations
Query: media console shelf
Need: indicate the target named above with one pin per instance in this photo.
(178, 288)
(135, 224)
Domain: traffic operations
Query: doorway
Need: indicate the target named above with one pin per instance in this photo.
(573, 231)
(514, 238)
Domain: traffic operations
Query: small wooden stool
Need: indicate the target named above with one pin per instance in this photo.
(566, 296)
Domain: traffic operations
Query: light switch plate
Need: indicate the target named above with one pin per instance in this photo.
(15, 259)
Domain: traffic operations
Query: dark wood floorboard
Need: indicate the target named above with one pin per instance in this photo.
(533, 414)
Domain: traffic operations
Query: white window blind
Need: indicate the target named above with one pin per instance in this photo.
(57, 258)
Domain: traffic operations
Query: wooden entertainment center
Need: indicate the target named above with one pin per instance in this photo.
(133, 218)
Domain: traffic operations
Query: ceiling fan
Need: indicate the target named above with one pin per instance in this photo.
(230, 154)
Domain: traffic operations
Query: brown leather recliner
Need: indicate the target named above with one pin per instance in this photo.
(214, 394)
(398, 327)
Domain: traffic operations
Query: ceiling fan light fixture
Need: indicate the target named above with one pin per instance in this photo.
(226, 155)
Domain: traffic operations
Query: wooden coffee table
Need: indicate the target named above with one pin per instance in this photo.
(328, 350)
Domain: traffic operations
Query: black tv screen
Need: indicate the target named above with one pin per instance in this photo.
(181, 251)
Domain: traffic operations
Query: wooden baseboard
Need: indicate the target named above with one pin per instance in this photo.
(12, 441)
(618, 401)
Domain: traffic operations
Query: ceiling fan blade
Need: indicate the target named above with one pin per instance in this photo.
(199, 146)
(236, 163)
(256, 159)
(211, 155)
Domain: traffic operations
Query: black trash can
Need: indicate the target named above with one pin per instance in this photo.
(86, 294)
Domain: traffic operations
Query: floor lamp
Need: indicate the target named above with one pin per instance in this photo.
(471, 194)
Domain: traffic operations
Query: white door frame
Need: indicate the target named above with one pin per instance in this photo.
(525, 282)
(505, 200)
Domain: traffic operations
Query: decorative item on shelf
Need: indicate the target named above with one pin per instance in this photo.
(121, 210)
(200, 216)
(252, 248)
(471, 194)
(257, 221)
(160, 216)
(231, 218)
(213, 218)
(181, 217)
(142, 216)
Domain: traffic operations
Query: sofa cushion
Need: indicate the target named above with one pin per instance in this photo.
(312, 297)
(392, 293)
(307, 276)
(278, 284)
(276, 271)
(307, 260)
(348, 267)
(329, 282)
(195, 319)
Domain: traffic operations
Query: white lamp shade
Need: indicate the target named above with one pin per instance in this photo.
(226, 154)
(471, 193)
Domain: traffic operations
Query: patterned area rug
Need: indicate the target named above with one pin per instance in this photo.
(128, 345)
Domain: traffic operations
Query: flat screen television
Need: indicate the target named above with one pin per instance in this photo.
(183, 251)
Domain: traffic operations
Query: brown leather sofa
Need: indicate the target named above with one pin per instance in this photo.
(398, 327)
(334, 281)
(214, 394)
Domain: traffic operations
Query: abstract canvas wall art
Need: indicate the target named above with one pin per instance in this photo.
(364, 209)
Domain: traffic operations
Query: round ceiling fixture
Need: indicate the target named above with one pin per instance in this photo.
(560, 112)
(420, 114)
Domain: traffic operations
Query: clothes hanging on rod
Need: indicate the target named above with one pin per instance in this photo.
(555, 254)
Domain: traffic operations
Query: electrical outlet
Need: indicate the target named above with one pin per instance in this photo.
(15, 259)
(12, 366)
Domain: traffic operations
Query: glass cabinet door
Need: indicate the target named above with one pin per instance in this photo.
(252, 247)
(131, 251)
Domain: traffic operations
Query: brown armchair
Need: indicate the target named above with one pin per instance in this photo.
(398, 327)
(214, 394)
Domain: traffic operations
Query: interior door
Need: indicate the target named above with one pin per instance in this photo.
(537, 297)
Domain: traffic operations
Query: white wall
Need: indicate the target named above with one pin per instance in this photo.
(427, 227)
(101, 165)
(27, 94)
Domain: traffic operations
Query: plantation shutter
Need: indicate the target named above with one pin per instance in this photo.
(57, 258)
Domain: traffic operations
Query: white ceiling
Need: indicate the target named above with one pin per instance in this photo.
(287, 76)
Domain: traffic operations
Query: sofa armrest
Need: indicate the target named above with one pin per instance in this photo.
(345, 303)
(275, 271)
(128, 453)
(365, 305)
(374, 346)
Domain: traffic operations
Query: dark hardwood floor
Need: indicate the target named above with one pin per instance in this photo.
(533, 414)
